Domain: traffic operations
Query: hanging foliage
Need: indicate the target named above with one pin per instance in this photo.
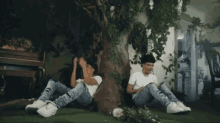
(161, 14)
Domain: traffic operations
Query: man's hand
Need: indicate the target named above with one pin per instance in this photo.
(131, 90)
(82, 62)
(75, 62)
(142, 88)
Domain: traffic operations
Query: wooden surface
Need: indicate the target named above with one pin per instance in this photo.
(26, 62)
(22, 58)
(20, 73)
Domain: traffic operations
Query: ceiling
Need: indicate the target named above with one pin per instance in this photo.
(211, 7)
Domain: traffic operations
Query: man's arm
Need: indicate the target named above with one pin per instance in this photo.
(130, 89)
(73, 77)
(83, 64)
(92, 81)
(87, 79)
(131, 84)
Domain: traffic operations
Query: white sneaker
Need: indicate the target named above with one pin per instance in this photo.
(48, 110)
(173, 108)
(180, 104)
(34, 106)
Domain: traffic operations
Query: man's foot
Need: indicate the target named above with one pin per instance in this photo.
(48, 110)
(31, 108)
(173, 108)
(180, 104)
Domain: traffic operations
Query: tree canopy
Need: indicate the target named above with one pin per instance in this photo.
(42, 21)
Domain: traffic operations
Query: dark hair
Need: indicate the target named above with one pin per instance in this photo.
(93, 62)
(147, 58)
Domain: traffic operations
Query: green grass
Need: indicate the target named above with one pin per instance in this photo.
(195, 116)
(72, 115)
(64, 115)
(201, 113)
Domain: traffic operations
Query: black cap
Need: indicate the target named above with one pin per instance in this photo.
(148, 58)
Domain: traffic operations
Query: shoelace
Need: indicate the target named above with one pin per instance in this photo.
(173, 104)
(47, 106)
(35, 102)
(48, 102)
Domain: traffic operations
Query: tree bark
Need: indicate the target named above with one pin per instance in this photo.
(108, 96)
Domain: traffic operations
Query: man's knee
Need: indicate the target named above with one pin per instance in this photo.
(151, 85)
(52, 81)
(81, 84)
(80, 87)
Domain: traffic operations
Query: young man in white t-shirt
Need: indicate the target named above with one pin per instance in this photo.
(144, 89)
(82, 90)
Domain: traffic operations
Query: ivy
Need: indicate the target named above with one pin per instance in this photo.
(171, 67)
(139, 115)
(113, 58)
(117, 77)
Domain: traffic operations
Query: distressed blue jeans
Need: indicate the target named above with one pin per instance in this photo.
(79, 93)
(151, 96)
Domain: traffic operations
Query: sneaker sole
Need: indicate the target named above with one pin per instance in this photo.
(31, 110)
(44, 115)
(177, 112)
(182, 113)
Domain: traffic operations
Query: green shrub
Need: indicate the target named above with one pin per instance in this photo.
(139, 115)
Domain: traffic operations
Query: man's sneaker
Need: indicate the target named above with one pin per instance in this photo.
(48, 110)
(31, 108)
(173, 108)
(180, 104)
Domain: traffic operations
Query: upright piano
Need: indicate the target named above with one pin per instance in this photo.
(22, 64)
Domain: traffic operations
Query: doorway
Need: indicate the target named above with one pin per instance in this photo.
(187, 61)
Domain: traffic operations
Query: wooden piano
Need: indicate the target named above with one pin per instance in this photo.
(21, 59)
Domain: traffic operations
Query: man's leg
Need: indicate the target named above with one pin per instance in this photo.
(51, 108)
(163, 88)
(85, 98)
(145, 96)
(71, 95)
(51, 87)
(173, 98)
(46, 94)
(158, 95)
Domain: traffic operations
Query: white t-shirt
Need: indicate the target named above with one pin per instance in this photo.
(92, 88)
(138, 80)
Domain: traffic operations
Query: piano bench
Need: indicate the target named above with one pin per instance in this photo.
(21, 73)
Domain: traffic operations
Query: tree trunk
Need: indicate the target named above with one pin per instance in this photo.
(108, 96)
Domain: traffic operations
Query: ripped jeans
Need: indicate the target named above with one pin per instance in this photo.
(79, 93)
(152, 96)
